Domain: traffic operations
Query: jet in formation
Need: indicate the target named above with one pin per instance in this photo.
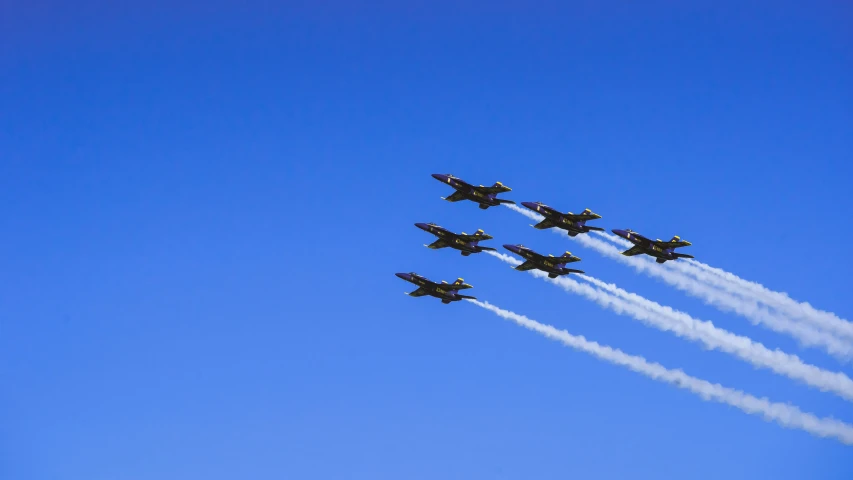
(662, 251)
(447, 292)
(570, 222)
(465, 243)
(553, 266)
(485, 196)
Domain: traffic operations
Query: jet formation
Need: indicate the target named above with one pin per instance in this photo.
(573, 224)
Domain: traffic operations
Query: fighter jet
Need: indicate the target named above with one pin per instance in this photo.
(447, 292)
(485, 196)
(466, 244)
(662, 251)
(572, 223)
(554, 266)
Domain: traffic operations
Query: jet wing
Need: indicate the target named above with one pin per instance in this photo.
(635, 250)
(455, 197)
(579, 217)
(544, 224)
(672, 244)
(470, 237)
(437, 244)
(496, 188)
(528, 265)
(567, 259)
(420, 292)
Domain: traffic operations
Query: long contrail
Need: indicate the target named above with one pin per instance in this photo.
(731, 283)
(785, 415)
(683, 325)
(806, 334)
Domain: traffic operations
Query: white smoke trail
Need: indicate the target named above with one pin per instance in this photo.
(806, 334)
(731, 283)
(785, 415)
(683, 325)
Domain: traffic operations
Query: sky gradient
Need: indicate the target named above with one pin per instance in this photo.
(202, 207)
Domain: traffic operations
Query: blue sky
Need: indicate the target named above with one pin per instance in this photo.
(203, 206)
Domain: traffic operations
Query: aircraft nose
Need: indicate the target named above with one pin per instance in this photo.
(404, 276)
(530, 205)
(440, 177)
(512, 248)
(422, 226)
(621, 233)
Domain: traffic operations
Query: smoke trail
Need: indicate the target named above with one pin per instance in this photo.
(785, 415)
(731, 283)
(804, 333)
(680, 323)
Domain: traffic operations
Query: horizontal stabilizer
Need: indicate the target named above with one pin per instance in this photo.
(486, 248)
(682, 255)
(501, 200)
(597, 229)
(572, 270)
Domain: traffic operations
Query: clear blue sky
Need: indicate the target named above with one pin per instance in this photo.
(202, 207)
